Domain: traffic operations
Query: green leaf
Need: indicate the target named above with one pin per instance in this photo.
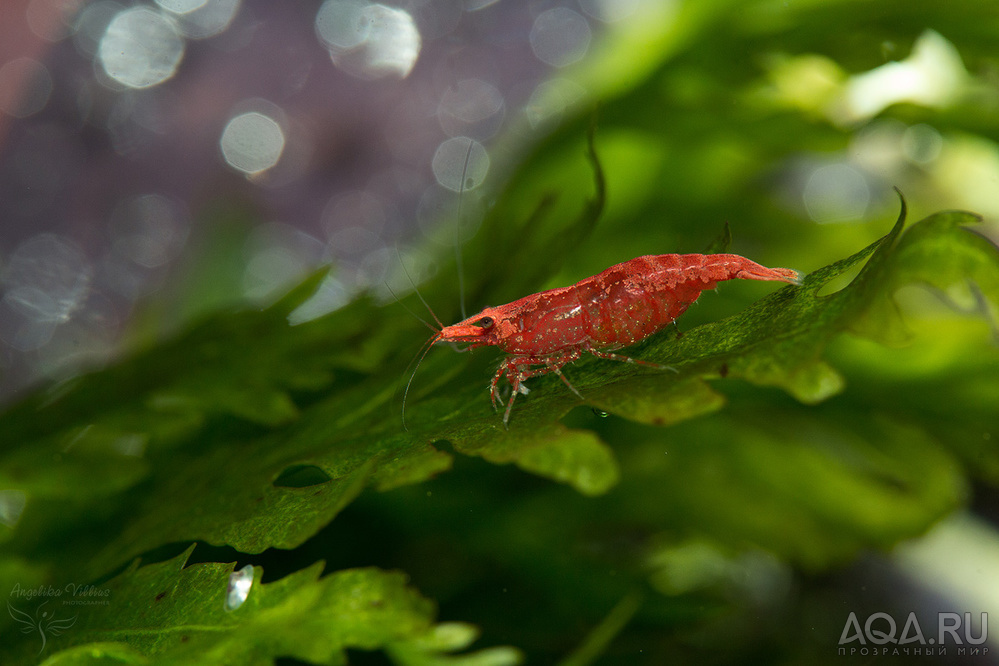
(166, 614)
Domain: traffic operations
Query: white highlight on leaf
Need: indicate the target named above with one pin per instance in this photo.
(238, 588)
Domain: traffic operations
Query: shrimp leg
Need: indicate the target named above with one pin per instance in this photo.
(517, 369)
(627, 359)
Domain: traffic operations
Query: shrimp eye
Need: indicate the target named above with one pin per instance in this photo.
(485, 322)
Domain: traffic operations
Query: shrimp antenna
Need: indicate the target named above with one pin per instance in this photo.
(406, 308)
(419, 295)
(457, 232)
(427, 346)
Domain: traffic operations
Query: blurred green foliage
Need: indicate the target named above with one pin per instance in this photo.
(805, 425)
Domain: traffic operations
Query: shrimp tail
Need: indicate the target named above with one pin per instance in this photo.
(720, 267)
(775, 274)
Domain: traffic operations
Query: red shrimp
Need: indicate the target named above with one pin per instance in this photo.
(614, 309)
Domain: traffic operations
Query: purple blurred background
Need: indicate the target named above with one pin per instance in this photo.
(340, 125)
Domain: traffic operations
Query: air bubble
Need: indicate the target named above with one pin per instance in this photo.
(238, 588)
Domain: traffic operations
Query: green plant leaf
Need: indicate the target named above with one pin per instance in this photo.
(165, 614)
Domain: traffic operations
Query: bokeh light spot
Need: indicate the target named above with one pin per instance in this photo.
(25, 87)
(277, 257)
(931, 76)
(149, 230)
(836, 193)
(252, 142)
(50, 19)
(560, 36)
(340, 24)
(357, 208)
(12, 503)
(45, 281)
(460, 158)
(208, 20)
(471, 103)
(369, 41)
(181, 6)
(922, 143)
(332, 294)
(613, 10)
(476, 5)
(140, 48)
(550, 100)
(91, 24)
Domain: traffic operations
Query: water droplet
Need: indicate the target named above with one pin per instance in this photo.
(599, 413)
(239, 587)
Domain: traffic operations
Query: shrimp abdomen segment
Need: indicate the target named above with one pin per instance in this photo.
(640, 297)
(625, 303)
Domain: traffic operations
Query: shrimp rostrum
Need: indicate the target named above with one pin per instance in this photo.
(598, 315)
